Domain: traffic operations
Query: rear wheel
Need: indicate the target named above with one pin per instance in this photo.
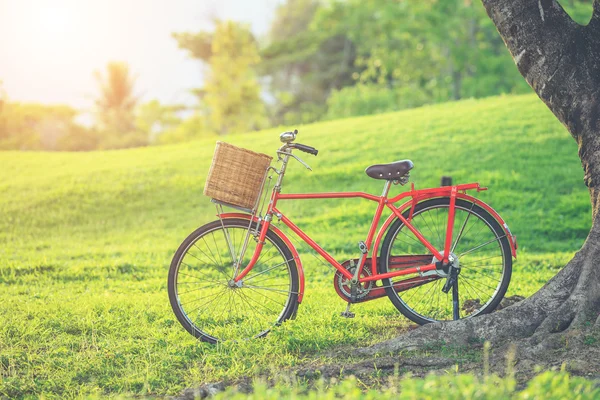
(484, 260)
(205, 299)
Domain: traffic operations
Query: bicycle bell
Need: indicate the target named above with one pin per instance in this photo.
(287, 137)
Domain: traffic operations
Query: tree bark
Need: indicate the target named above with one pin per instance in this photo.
(560, 60)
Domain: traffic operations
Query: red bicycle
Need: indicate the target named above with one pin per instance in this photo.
(440, 255)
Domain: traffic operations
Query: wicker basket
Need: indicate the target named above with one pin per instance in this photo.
(236, 175)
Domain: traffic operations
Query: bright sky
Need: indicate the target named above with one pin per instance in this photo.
(49, 49)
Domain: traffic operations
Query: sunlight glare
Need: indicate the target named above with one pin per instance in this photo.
(52, 23)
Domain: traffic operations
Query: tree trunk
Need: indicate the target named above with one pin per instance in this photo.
(560, 60)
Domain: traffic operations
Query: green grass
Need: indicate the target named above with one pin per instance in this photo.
(547, 385)
(86, 240)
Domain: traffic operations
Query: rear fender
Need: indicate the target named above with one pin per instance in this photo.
(283, 237)
(411, 203)
(512, 239)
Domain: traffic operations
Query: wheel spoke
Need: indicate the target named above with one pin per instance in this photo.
(267, 270)
(195, 290)
(481, 245)
(270, 289)
(462, 228)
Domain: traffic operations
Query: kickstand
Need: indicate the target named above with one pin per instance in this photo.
(347, 313)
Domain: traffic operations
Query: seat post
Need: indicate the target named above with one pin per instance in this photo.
(386, 188)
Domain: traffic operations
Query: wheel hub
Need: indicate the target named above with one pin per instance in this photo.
(235, 285)
(452, 262)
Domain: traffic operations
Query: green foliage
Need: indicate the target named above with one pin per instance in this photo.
(231, 94)
(198, 45)
(440, 50)
(156, 119)
(397, 54)
(116, 108)
(367, 99)
(86, 240)
(579, 10)
(42, 127)
(191, 128)
(54, 128)
(304, 64)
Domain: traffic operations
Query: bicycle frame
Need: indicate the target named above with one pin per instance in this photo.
(382, 201)
(453, 192)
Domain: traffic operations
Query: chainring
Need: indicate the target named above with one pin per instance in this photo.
(342, 284)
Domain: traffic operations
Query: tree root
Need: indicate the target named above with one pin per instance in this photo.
(564, 309)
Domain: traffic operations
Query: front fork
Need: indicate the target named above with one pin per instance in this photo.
(259, 246)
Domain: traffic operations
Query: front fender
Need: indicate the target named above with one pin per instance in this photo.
(285, 239)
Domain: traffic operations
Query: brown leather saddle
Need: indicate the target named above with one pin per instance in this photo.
(390, 172)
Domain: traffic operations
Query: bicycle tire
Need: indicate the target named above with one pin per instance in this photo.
(478, 306)
(224, 325)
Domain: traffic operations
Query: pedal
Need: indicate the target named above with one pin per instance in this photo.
(347, 313)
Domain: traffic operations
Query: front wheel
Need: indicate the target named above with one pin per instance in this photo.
(484, 261)
(210, 305)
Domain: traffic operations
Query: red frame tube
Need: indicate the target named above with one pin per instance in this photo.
(327, 195)
(451, 214)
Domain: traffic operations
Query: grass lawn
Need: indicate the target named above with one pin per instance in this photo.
(86, 240)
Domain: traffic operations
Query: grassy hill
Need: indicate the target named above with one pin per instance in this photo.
(86, 239)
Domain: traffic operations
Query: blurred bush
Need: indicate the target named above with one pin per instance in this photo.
(43, 127)
(365, 99)
(191, 128)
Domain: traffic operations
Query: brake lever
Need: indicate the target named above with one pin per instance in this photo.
(294, 156)
(301, 162)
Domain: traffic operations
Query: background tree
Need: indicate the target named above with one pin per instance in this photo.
(232, 92)
(3, 100)
(304, 62)
(333, 59)
(560, 59)
(231, 96)
(199, 47)
(26, 126)
(156, 119)
(415, 52)
(3, 96)
(116, 107)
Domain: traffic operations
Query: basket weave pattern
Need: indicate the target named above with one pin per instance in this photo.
(236, 175)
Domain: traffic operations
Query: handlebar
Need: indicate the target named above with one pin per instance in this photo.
(288, 137)
(305, 148)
